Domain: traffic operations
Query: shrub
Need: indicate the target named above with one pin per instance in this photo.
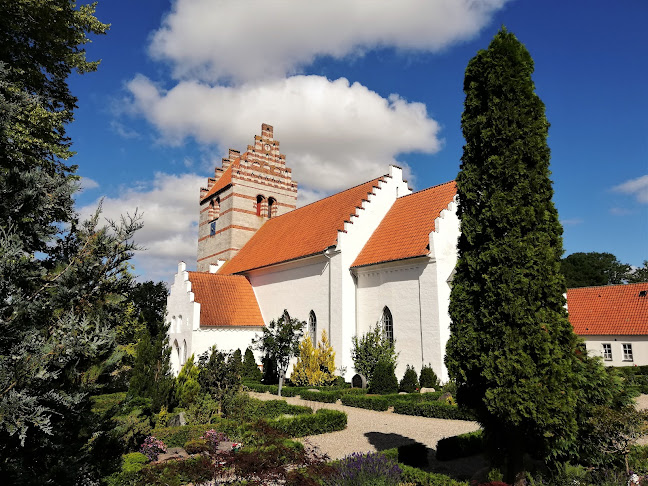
(249, 369)
(322, 396)
(196, 470)
(152, 447)
(261, 388)
(219, 374)
(323, 421)
(463, 445)
(365, 401)
(131, 429)
(415, 454)
(315, 364)
(179, 436)
(361, 469)
(370, 349)
(410, 382)
(132, 464)
(196, 446)
(383, 380)
(415, 476)
(187, 387)
(104, 403)
(428, 378)
(433, 409)
(203, 410)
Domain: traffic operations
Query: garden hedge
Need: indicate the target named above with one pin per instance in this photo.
(275, 408)
(370, 402)
(321, 396)
(325, 420)
(433, 409)
(179, 436)
(464, 445)
(416, 476)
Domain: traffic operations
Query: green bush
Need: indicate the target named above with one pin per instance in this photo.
(418, 477)
(261, 388)
(638, 459)
(415, 454)
(463, 445)
(291, 391)
(354, 391)
(132, 464)
(196, 446)
(179, 436)
(132, 429)
(428, 378)
(433, 409)
(276, 408)
(321, 396)
(393, 398)
(410, 382)
(195, 470)
(250, 371)
(383, 380)
(369, 402)
(103, 403)
(323, 421)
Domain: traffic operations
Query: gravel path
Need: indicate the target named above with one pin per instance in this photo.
(369, 431)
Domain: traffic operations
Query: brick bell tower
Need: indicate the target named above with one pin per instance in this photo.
(244, 193)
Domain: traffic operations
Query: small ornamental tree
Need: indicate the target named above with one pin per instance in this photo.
(315, 366)
(371, 348)
(187, 387)
(383, 379)
(219, 375)
(428, 378)
(511, 348)
(280, 342)
(410, 382)
(250, 370)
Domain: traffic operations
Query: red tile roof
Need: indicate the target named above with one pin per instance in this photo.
(224, 180)
(305, 231)
(404, 231)
(225, 300)
(609, 310)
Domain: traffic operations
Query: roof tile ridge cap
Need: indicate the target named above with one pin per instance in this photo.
(379, 182)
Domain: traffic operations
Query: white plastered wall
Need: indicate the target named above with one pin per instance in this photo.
(350, 242)
(594, 346)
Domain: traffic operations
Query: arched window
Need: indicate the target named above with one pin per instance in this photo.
(184, 351)
(286, 316)
(179, 325)
(312, 327)
(174, 325)
(387, 323)
(175, 357)
(259, 205)
(214, 209)
(272, 207)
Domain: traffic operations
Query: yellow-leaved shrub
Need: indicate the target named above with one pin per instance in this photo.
(315, 365)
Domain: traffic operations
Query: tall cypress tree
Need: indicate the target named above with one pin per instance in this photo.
(511, 348)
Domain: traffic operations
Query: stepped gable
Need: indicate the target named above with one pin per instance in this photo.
(405, 230)
(225, 300)
(609, 310)
(302, 232)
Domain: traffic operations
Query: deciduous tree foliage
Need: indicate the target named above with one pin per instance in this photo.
(315, 365)
(371, 348)
(511, 348)
(591, 269)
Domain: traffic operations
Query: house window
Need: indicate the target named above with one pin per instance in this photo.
(387, 323)
(212, 228)
(627, 352)
(312, 327)
(607, 351)
(214, 209)
(259, 205)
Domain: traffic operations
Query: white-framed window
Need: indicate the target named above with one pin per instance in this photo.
(387, 323)
(627, 352)
(607, 351)
(312, 327)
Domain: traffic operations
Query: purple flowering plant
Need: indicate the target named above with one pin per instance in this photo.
(213, 438)
(152, 448)
(366, 469)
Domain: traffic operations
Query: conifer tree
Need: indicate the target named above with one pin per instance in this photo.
(250, 370)
(315, 366)
(511, 349)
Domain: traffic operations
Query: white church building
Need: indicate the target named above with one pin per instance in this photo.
(374, 253)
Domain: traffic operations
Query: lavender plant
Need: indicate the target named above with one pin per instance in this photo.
(365, 470)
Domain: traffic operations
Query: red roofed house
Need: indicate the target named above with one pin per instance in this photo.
(374, 253)
(613, 321)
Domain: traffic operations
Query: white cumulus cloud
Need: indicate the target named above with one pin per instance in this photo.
(635, 187)
(169, 208)
(326, 128)
(253, 39)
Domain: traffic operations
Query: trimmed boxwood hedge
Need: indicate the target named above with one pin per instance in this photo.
(179, 436)
(325, 420)
(370, 402)
(321, 396)
(464, 445)
(275, 408)
(433, 409)
(394, 398)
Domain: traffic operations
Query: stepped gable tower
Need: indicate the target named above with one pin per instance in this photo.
(246, 191)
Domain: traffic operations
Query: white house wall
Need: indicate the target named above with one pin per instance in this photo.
(594, 345)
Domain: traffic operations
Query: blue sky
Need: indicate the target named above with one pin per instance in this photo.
(351, 86)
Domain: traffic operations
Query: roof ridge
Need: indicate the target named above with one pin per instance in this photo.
(377, 179)
(609, 286)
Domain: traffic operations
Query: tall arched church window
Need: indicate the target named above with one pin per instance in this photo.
(286, 316)
(214, 209)
(312, 327)
(272, 207)
(184, 352)
(387, 323)
(259, 205)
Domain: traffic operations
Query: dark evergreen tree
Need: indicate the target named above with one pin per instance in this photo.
(410, 382)
(428, 378)
(383, 379)
(250, 370)
(511, 349)
(151, 376)
(149, 299)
